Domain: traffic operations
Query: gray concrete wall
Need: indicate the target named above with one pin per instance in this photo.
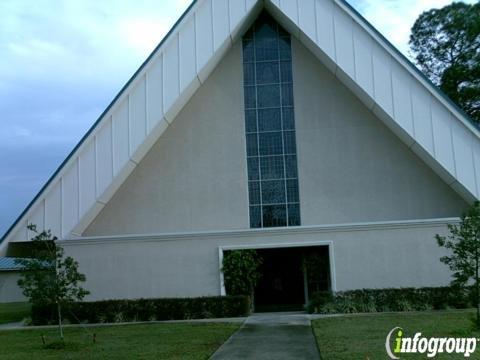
(373, 256)
(352, 168)
(194, 177)
(9, 290)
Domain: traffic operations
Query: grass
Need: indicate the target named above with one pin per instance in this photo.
(363, 336)
(145, 341)
(14, 312)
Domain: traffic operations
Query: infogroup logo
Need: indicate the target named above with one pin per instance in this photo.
(429, 346)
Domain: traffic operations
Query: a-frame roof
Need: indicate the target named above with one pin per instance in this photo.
(384, 80)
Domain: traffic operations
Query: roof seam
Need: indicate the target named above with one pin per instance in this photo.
(414, 71)
(98, 121)
(339, 5)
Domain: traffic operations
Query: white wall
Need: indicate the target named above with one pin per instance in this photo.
(9, 290)
(136, 118)
(194, 177)
(374, 256)
(352, 168)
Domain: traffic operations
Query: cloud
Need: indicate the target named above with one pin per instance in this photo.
(61, 64)
(395, 18)
(141, 34)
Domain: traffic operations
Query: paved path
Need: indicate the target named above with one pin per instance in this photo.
(14, 325)
(22, 326)
(271, 336)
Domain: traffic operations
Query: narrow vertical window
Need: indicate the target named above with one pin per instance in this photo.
(270, 125)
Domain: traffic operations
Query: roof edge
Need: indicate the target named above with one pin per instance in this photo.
(97, 122)
(464, 117)
(453, 108)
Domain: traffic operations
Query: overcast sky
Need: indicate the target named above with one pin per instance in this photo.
(62, 62)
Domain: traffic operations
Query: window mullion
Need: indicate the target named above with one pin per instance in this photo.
(271, 92)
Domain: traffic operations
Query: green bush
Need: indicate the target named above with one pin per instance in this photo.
(109, 311)
(381, 300)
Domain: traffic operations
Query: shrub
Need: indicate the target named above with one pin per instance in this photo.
(241, 271)
(319, 300)
(107, 311)
(400, 299)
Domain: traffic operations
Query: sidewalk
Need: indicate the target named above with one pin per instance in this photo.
(271, 336)
(21, 326)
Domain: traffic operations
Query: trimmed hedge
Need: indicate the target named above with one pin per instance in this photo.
(110, 311)
(399, 299)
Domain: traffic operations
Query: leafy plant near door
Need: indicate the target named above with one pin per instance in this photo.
(463, 242)
(241, 271)
(49, 277)
(316, 268)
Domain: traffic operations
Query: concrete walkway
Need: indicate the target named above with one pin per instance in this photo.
(22, 326)
(14, 325)
(271, 336)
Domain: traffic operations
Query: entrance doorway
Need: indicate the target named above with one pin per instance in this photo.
(289, 275)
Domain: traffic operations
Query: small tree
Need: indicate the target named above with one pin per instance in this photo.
(464, 244)
(241, 271)
(50, 278)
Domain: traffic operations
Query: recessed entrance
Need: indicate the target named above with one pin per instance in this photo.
(289, 275)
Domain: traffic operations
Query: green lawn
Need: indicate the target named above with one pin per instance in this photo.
(150, 341)
(363, 336)
(13, 312)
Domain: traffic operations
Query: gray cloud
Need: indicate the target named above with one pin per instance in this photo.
(61, 63)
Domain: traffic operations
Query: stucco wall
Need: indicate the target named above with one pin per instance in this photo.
(194, 177)
(352, 168)
(9, 290)
(375, 256)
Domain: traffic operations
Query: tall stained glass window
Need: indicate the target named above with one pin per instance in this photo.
(270, 125)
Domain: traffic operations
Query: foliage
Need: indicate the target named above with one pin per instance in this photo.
(464, 246)
(394, 299)
(110, 311)
(241, 271)
(446, 45)
(317, 268)
(49, 277)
